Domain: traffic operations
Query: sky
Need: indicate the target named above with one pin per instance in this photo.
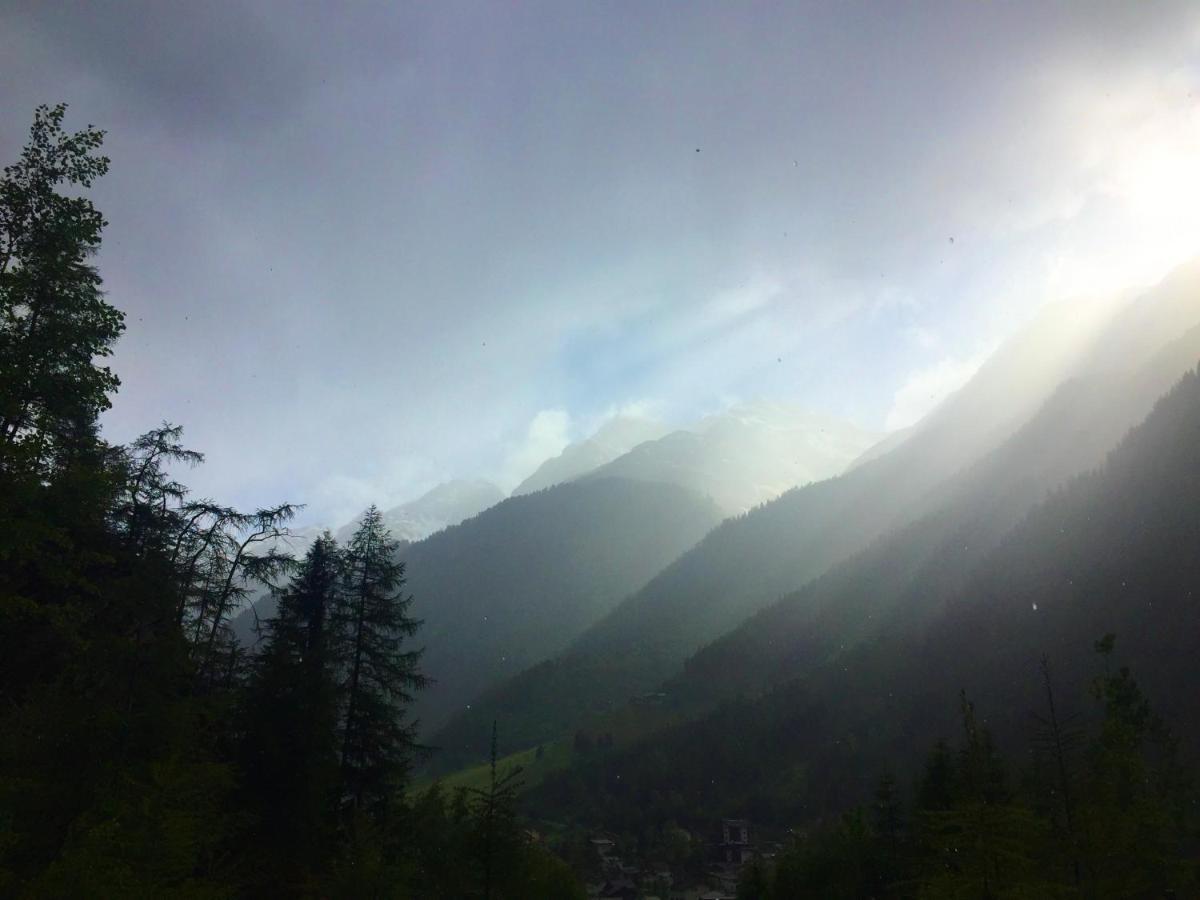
(366, 247)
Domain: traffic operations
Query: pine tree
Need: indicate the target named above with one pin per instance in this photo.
(1056, 744)
(888, 828)
(1133, 807)
(935, 791)
(379, 676)
(982, 843)
(290, 752)
(495, 812)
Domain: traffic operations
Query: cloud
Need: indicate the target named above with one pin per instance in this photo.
(367, 248)
(548, 433)
(925, 388)
(338, 497)
(922, 337)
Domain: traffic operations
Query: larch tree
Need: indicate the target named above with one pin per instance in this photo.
(380, 670)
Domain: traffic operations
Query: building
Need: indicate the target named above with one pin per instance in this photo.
(735, 847)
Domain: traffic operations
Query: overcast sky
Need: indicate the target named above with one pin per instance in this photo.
(364, 247)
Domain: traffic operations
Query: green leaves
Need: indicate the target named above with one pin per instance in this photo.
(54, 321)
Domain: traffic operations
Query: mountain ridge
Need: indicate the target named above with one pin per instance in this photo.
(1112, 551)
(749, 561)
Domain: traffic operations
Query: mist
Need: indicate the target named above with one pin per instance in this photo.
(550, 450)
(407, 245)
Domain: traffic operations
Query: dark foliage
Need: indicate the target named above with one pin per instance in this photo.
(142, 753)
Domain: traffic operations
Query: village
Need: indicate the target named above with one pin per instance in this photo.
(622, 877)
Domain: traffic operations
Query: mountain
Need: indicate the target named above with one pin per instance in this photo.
(614, 438)
(447, 504)
(974, 512)
(746, 455)
(741, 457)
(1117, 361)
(516, 583)
(882, 447)
(1111, 552)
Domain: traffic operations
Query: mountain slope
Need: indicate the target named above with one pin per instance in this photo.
(516, 583)
(750, 561)
(1112, 552)
(975, 511)
(746, 455)
(615, 437)
(447, 504)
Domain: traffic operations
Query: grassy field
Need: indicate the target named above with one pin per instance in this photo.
(555, 756)
(625, 725)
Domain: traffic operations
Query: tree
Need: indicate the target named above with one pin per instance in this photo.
(753, 881)
(1056, 743)
(888, 826)
(214, 555)
(935, 791)
(495, 812)
(54, 320)
(380, 677)
(290, 754)
(236, 552)
(835, 861)
(980, 845)
(1135, 798)
(100, 766)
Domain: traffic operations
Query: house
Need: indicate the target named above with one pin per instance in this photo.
(735, 847)
(735, 831)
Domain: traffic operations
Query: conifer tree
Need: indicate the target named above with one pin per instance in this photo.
(888, 827)
(935, 790)
(984, 838)
(495, 812)
(379, 675)
(1135, 799)
(291, 755)
(1057, 740)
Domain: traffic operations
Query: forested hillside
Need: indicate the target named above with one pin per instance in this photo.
(515, 584)
(908, 571)
(600, 451)
(616, 436)
(978, 463)
(1109, 553)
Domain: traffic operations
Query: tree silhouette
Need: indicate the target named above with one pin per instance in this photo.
(495, 816)
(54, 320)
(380, 676)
